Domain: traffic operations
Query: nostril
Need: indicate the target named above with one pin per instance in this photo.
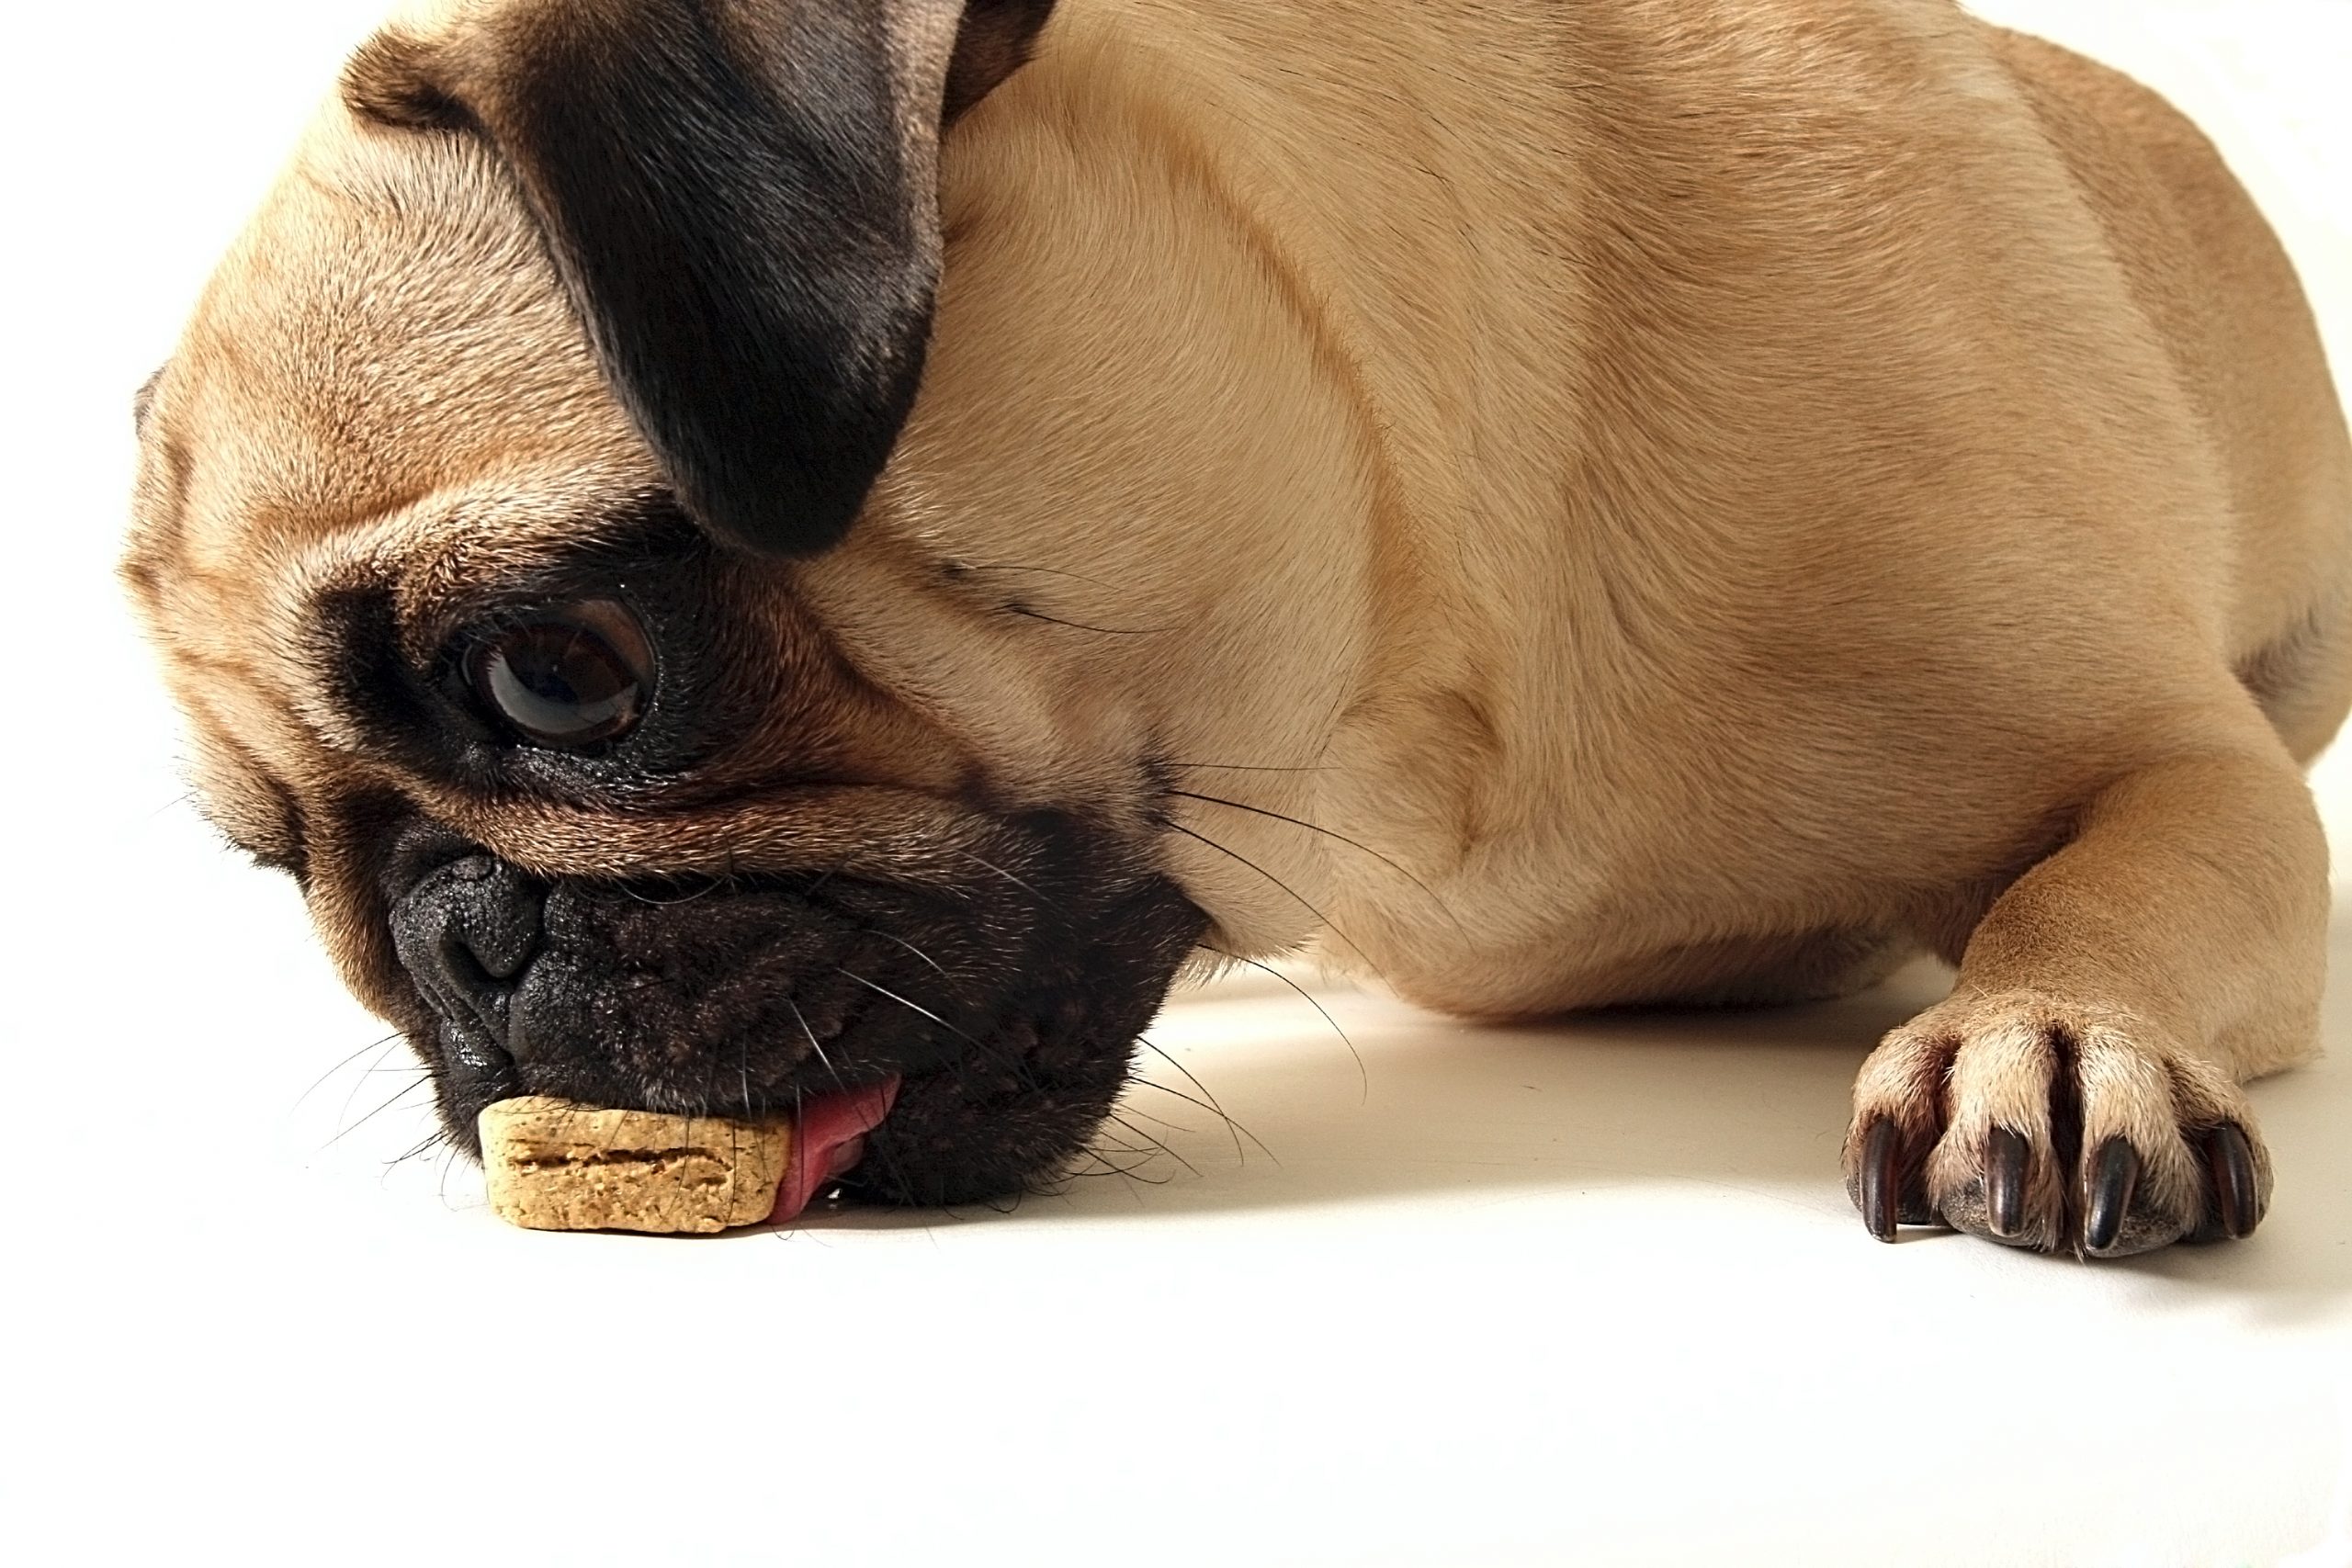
(468, 990)
(495, 912)
(462, 967)
(466, 933)
(503, 945)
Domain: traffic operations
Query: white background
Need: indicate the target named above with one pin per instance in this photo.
(1578, 1294)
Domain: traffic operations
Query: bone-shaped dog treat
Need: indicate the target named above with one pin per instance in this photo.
(552, 1165)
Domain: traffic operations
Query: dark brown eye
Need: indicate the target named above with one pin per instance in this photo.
(570, 676)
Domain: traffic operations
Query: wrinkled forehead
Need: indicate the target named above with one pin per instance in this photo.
(387, 329)
(382, 363)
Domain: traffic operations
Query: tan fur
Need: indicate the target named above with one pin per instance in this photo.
(1704, 498)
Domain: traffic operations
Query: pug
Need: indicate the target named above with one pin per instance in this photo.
(808, 557)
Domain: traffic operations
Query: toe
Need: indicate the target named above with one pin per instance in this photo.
(1898, 1121)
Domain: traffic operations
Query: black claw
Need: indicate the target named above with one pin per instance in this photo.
(2229, 1160)
(2005, 1157)
(2114, 1177)
(1881, 1177)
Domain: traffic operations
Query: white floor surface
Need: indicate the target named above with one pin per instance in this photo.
(1578, 1294)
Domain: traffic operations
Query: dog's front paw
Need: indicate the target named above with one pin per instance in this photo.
(2023, 1119)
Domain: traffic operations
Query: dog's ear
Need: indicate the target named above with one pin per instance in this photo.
(741, 197)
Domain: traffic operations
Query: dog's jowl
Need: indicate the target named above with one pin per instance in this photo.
(744, 553)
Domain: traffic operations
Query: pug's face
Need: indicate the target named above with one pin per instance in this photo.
(529, 554)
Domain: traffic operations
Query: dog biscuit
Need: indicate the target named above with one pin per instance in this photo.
(554, 1165)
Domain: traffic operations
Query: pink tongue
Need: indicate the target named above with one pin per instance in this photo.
(827, 1139)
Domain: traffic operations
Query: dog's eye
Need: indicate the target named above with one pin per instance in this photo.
(570, 677)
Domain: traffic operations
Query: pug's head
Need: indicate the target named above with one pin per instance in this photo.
(660, 704)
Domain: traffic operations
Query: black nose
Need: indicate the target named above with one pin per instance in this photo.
(464, 933)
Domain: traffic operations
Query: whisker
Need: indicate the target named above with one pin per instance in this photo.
(438, 1135)
(972, 1041)
(1115, 1146)
(910, 947)
(815, 1045)
(403, 1094)
(743, 1069)
(371, 1045)
(1247, 768)
(185, 797)
(1363, 1076)
(1239, 1131)
(1017, 1066)
(342, 1113)
(1042, 571)
(1215, 1104)
(1155, 1142)
(991, 866)
(709, 886)
(1352, 843)
(1202, 838)
(1148, 1116)
(1083, 626)
(448, 1164)
(1131, 1172)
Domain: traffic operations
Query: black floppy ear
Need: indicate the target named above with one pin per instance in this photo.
(741, 197)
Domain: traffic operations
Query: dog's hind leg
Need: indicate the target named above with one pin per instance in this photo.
(2079, 1089)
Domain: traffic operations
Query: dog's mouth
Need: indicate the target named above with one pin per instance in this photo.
(931, 1045)
(830, 1135)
